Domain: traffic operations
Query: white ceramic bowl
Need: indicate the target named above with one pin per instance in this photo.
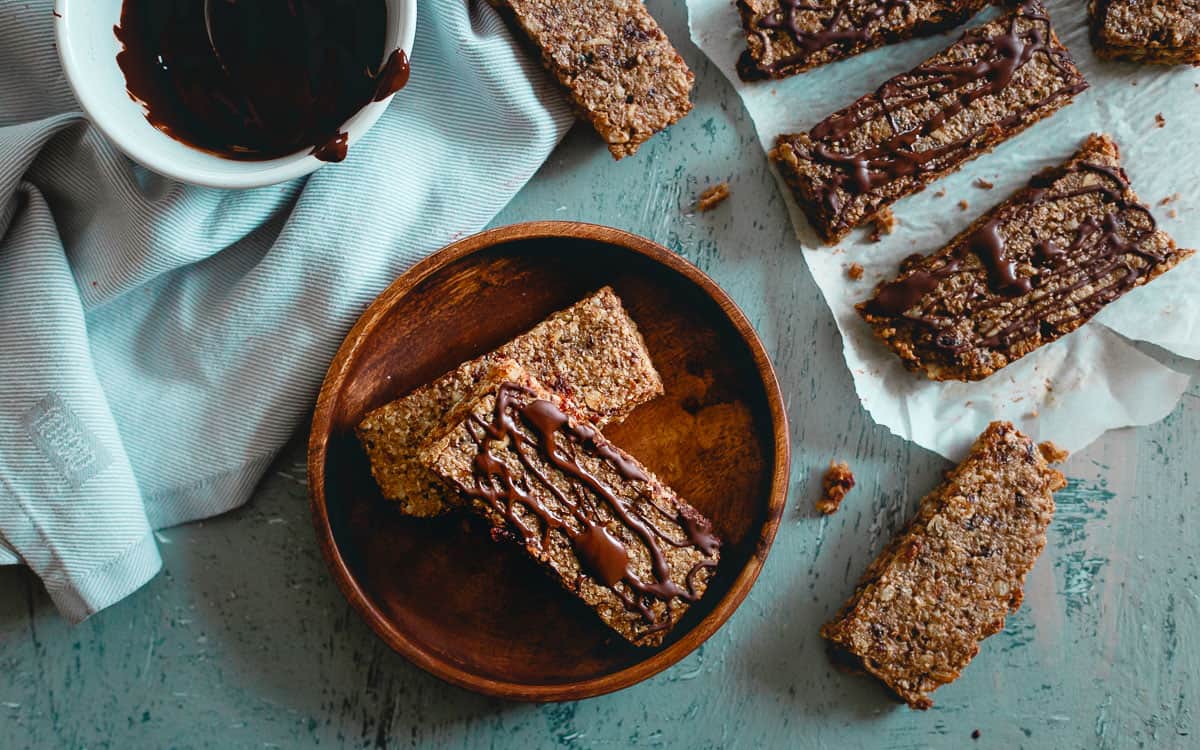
(88, 49)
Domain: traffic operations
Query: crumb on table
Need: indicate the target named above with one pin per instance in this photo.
(963, 205)
(1052, 453)
(983, 184)
(712, 197)
(854, 271)
(1169, 199)
(838, 481)
(1160, 121)
(940, 193)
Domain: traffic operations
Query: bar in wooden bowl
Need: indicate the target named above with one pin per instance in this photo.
(591, 353)
(597, 520)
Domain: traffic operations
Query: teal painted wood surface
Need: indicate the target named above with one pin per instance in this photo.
(243, 640)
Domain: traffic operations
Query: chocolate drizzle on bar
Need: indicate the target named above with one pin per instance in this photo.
(527, 425)
(958, 85)
(1056, 267)
(834, 29)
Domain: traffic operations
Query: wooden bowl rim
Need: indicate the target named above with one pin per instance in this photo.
(322, 426)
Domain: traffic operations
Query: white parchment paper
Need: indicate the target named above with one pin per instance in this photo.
(1088, 382)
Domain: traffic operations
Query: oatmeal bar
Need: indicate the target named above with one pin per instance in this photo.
(948, 580)
(997, 80)
(595, 518)
(785, 37)
(1030, 271)
(591, 353)
(618, 66)
(1147, 31)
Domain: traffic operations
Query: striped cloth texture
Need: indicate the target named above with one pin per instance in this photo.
(159, 342)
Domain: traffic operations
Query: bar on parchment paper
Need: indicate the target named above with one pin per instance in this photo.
(1026, 273)
(1166, 32)
(996, 81)
(785, 37)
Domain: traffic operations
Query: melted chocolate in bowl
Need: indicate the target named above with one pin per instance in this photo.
(254, 80)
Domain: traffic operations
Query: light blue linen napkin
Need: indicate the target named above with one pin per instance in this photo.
(159, 342)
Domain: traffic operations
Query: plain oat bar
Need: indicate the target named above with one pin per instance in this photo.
(599, 522)
(997, 80)
(948, 580)
(590, 353)
(785, 37)
(1028, 272)
(620, 69)
(1146, 31)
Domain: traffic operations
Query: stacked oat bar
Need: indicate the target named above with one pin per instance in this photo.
(590, 353)
(601, 523)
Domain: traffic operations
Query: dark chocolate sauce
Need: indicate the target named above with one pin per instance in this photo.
(257, 79)
(1100, 246)
(393, 76)
(1048, 253)
(958, 85)
(988, 244)
(895, 297)
(605, 558)
(527, 424)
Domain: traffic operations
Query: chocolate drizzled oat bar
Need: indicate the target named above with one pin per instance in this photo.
(949, 579)
(785, 37)
(590, 353)
(997, 80)
(1030, 271)
(620, 69)
(609, 530)
(1147, 31)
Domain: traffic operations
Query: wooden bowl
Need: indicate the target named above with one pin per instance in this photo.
(479, 614)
